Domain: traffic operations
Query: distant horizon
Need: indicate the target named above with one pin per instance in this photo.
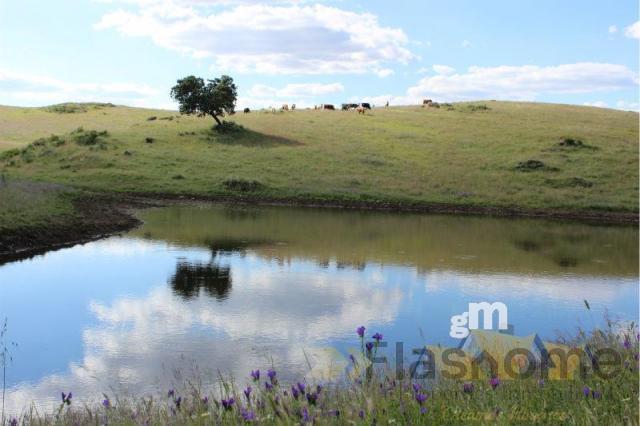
(238, 108)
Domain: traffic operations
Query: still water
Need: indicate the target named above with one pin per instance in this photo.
(198, 290)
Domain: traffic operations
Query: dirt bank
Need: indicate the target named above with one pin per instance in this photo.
(96, 216)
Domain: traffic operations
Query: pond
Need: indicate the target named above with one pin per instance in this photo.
(202, 289)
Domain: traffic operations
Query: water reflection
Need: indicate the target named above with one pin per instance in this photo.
(190, 278)
(471, 244)
(236, 289)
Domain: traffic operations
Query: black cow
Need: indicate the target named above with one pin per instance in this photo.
(347, 107)
(247, 110)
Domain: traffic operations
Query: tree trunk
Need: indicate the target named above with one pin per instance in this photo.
(217, 119)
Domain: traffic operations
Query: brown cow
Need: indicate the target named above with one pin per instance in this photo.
(285, 107)
(328, 107)
(427, 102)
(361, 109)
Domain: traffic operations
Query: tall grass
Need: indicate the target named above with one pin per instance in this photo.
(379, 396)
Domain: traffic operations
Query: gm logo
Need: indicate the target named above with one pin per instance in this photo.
(459, 328)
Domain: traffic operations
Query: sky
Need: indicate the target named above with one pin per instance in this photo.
(131, 52)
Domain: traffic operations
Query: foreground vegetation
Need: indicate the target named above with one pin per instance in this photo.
(522, 155)
(369, 398)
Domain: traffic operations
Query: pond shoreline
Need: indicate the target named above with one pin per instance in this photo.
(102, 215)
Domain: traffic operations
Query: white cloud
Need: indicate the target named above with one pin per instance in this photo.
(296, 90)
(628, 106)
(613, 29)
(598, 104)
(385, 72)
(444, 69)
(266, 39)
(633, 30)
(303, 95)
(466, 43)
(523, 82)
(38, 89)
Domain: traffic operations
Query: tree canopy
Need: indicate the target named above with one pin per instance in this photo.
(216, 97)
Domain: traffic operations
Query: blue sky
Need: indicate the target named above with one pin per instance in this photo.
(308, 52)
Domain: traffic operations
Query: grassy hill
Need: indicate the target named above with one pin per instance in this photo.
(523, 155)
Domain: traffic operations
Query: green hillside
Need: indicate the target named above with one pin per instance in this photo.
(524, 155)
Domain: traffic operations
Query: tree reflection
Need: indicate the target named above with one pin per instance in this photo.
(190, 278)
(228, 246)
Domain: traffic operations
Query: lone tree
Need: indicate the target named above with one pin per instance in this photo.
(215, 97)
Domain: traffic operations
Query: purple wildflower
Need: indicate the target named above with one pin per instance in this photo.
(205, 400)
(255, 374)
(377, 337)
(247, 415)
(171, 393)
(586, 391)
(312, 398)
(227, 404)
(106, 403)
(421, 398)
(13, 422)
(467, 387)
(319, 388)
(268, 386)
(294, 392)
(360, 331)
(423, 410)
(66, 399)
(494, 382)
(272, 375)
(247, 392)
(596, 394)
(361, 414)
(369, 346)
(626, 343)
(301, 387)
(305, 415)
(416, 387)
